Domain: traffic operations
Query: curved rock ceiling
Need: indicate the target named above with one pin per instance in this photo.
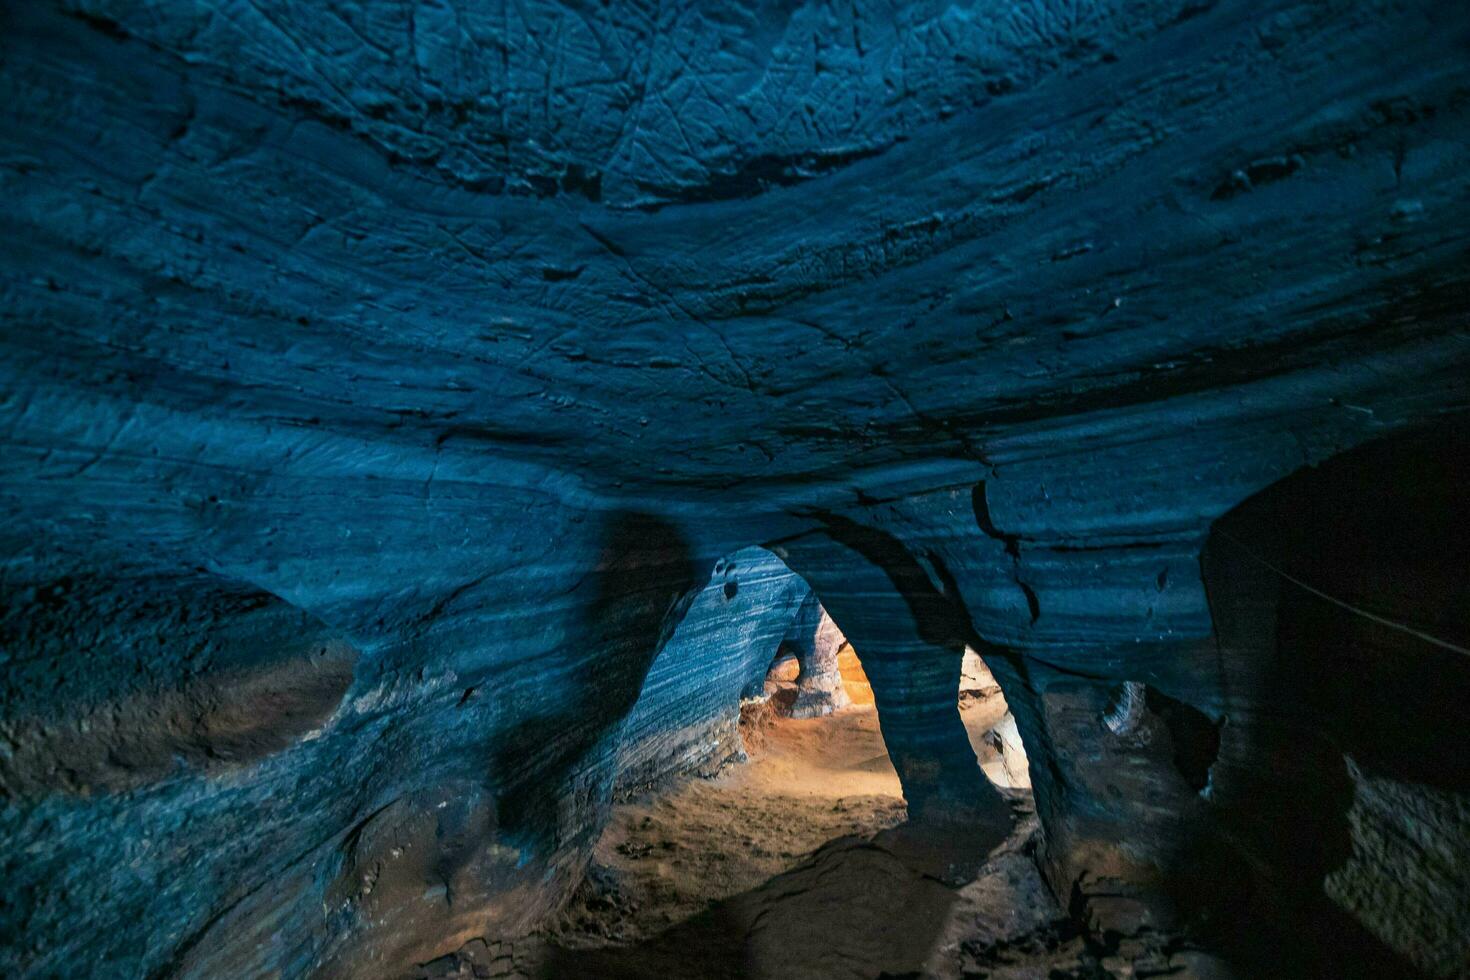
(392, 396)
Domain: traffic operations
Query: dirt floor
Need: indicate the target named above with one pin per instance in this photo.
(663, 860)
(798, 865)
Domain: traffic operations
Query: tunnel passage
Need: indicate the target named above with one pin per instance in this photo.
(814, 673)
(755, 643)
(791, 812)
(1341, 599)
(806, 678)
(779, 689)
(836, 675)
(405, 269)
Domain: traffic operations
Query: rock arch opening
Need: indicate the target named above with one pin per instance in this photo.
(815, 670)
(991, 726)
(754, 742)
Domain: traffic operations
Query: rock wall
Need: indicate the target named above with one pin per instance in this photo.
(196, 769)
(686, 719)
(381, 384)
(815, 640)
(1341, 615)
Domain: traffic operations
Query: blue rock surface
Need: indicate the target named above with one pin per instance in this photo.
(387, 388)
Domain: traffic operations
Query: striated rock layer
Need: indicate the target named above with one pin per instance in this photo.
(391, 395)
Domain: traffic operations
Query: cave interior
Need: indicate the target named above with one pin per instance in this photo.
(767, 489)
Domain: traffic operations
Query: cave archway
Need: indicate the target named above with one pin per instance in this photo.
(780, 686)
(815, 670)
(903, 611)
(751, 614)
(823, 794)
(1341, 603)
(684, 720)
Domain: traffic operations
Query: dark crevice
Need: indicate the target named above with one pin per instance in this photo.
(1195, 737)
(983, 519)
(1033, 603)
(756, 175)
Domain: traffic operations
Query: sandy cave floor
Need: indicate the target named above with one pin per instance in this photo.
(798, 865)
(664, 859)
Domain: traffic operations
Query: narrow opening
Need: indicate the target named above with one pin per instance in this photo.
(827, 683)
(815, 713)
(782, 683)
(991, 726)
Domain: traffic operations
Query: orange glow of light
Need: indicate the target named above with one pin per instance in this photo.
(854, 680)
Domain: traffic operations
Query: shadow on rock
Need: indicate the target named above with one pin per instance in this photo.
(855, 909)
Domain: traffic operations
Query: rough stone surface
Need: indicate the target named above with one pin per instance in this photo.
(815, 641)
(687, 716)
(385, 387)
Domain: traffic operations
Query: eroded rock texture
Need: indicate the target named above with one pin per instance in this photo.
(812, 643)
(386, 388)
(687, 716)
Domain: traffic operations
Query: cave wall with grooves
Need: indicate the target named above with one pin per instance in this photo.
(687, 717)
(383, 385)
